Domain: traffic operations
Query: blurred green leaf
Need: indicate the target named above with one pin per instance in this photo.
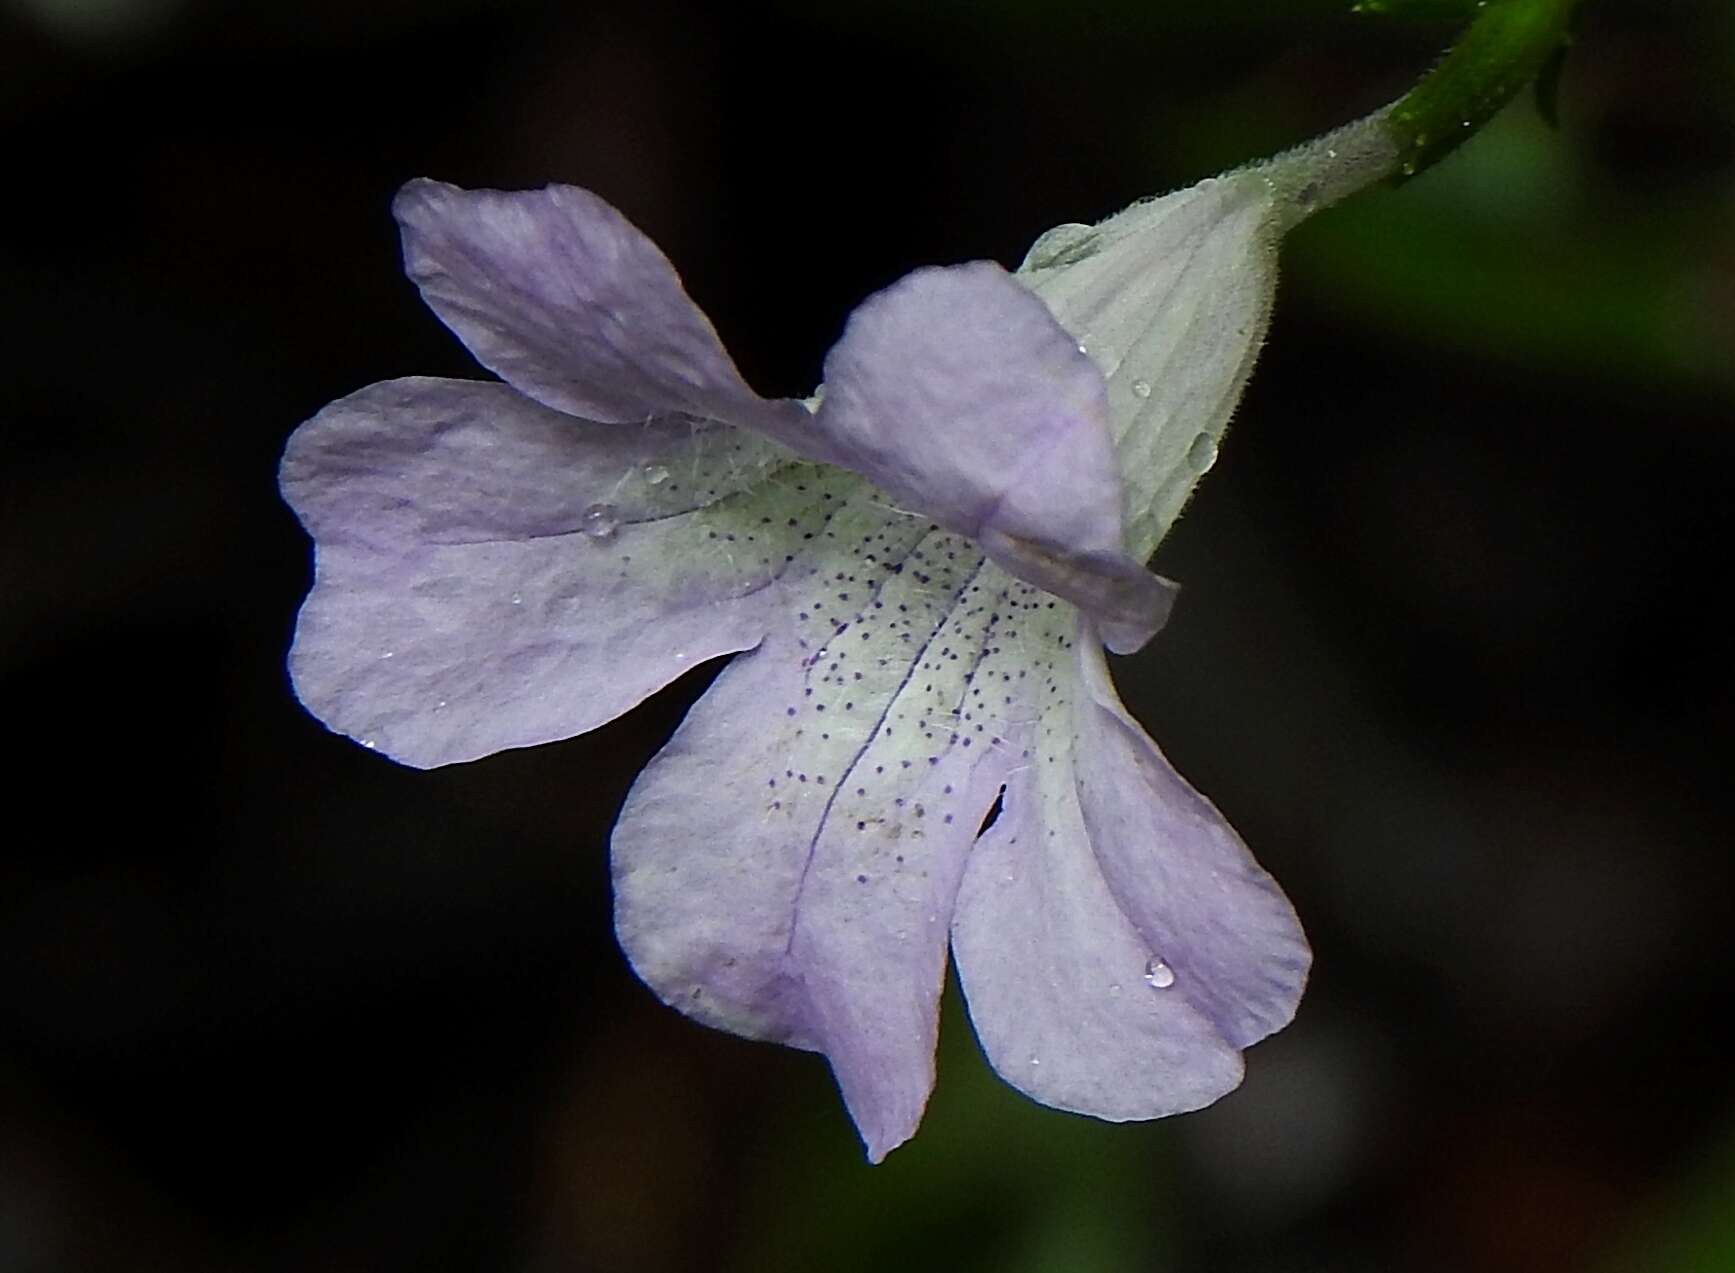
(1691, 1229)
(1511, 254)
(992, 1183)
(1548, 86)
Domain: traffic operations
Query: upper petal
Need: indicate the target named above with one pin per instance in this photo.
(491, 574)
(1116, 942)
(958, 393)
(565, 299)
(951, 389)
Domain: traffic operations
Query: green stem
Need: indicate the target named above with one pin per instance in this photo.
(1504, 49)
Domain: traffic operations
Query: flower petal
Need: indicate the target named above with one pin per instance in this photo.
(566, 300)
(786, 867)
(959, 394)
(1172, 298)
(492, 574)
(1116, 942)
(1234, 932)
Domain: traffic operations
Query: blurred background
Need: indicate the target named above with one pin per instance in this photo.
(1452, 654)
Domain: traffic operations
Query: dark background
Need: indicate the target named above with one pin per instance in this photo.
(1453, 651)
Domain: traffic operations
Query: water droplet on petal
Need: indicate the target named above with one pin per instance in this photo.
(386, 655)
(1036, 1060)
(600, 521)
(1158, 975)
(517, 600)
(656, 474)
(1203, 453)
(1141, 388)
(1063, 245)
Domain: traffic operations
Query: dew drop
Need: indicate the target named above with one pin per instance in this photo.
(386, 655)
(600, 521)
(517, 600)
(1158, 975)
(1063, 245)
(656, 474)
(1203, 453)
(1141, 388)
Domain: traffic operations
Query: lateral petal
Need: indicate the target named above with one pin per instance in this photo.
(489, 573)
(1181, 873)
(1116, 943)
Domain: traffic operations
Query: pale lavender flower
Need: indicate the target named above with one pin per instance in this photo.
(918, 571)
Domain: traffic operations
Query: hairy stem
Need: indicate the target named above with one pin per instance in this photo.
(1504, 49)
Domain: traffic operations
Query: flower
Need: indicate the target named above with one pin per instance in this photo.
(917, 572)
